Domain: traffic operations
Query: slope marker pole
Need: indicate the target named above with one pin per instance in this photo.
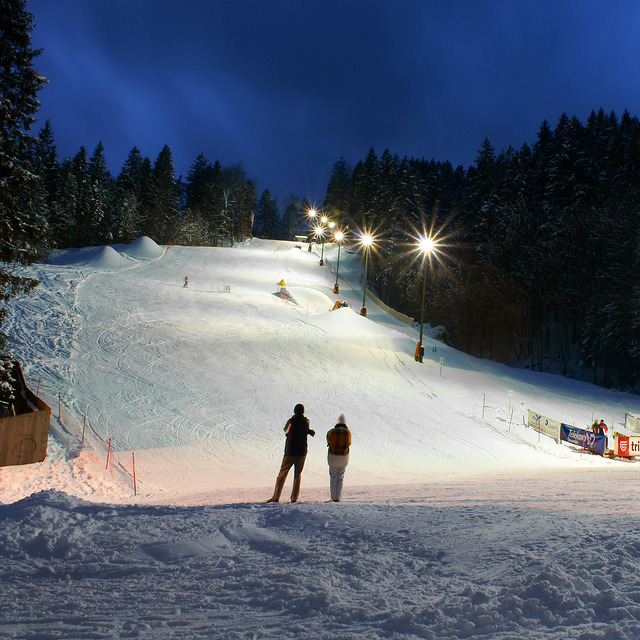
(133, 461)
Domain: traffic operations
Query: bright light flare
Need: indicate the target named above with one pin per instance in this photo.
(318, 232)
(366, 240)
(339, 236)
(427, 245)
(324, 220)
(312, 213)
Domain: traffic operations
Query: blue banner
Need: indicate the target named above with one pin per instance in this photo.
(584, 439)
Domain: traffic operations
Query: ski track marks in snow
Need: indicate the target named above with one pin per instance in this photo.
(196, 380)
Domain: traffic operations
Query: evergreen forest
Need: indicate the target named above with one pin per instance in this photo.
(539, 256)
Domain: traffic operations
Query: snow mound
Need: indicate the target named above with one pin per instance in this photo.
(312, 300)
(96, 257)
(143, 248)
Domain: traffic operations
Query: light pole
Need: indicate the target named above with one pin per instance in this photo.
(426, 245)
(324, 221)
(312, 214)
(339, 236)
(319, 233)
(366, 241)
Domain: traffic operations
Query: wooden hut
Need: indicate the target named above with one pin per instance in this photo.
(25, 434)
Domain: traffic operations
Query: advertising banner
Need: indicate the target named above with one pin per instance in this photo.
(627, 446)
(583, 439)
(631, 422)
(544, 425)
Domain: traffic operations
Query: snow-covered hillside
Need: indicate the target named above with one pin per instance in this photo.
(198, 381)
(454, 523)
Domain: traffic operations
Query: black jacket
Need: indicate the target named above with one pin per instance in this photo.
(297, 429)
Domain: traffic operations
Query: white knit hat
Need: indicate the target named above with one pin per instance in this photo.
(341, 419)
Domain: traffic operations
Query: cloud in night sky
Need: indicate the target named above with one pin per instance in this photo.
(288, 87)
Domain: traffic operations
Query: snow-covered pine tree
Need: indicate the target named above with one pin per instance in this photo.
(22, 209)
(100, 197)
(79, 167)
(233, 197)
(128, 201)
(246, 206)
(207, 199)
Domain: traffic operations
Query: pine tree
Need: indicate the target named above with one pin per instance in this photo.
(82, 214)
(46, 160)
(247, 199)
(292, 216)
(163, 199)
(63, 214)
(100, 198)
(364, 181)
(22, 209)
(200, 179)
(130, 185)
(268, 223)
(338, 195)
(226, 220)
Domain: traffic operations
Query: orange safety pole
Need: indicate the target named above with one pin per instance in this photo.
(38, 389)
(83, 427)
(133, 459)
(108, 453)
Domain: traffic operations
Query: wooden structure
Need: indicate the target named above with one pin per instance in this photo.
(24, 436)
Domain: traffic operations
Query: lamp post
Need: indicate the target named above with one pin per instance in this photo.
(366, 241)
(312, 214)
(339, 236)
(324, 220)
(319, 233)
(426, 245)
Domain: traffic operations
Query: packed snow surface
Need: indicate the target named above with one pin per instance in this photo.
(458, 521)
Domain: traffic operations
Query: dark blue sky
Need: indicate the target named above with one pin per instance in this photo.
(287, 87)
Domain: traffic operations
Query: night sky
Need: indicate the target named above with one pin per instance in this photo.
(288, 87)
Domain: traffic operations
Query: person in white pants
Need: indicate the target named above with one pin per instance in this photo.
(338, 441)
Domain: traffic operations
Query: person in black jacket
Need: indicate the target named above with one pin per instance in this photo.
(295, 453)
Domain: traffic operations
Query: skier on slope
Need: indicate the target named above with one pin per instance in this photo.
(295, 453)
